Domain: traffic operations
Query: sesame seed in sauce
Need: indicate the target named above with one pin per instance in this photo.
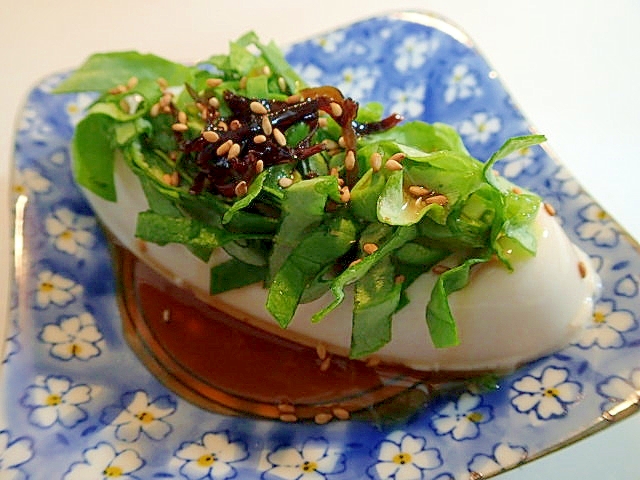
(282, 83)
(259, 166)
(321, 351)
(162, 83)
(440, 269)
(355, 262)
(341, 413)
(179, 127)
(330, 144)
(279, 136)
(398, 156)
(369, 248)
(322, 418)
(375, 161)
(234, 151)
(393, 165)
(224, 148)
(350, 160)
(175, 179)
(243, 82)
(288, 417)
(439, 199)
(295, 98)
(210, 136)
(345, 194)
(549, 209)
(132, 83)
(182, 117)
(285, 182)
(418, 191)
(213, 82)
(323, 122)
(372, 362)
(259, 139)
(286, 408)
(517, 190)
(258, 108)
(582, 268)
(155, 110)
(325, 364)
(214, 102)
(266, 125)
(166, 178)
(336, 109)
(166, 315)
(341, 142)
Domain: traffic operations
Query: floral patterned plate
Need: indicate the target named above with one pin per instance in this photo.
(76, 404)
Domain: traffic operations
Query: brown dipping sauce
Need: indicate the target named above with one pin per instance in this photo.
(228, 366)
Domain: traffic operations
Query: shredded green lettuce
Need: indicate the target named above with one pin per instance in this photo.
(306, 240)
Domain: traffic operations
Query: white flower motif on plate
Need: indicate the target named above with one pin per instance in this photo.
(72, 337)
(212, 457)
(70, 232)
(461, 418)
(55, 289)
(503, 457)
(314, 461)
(462, 84)
(14, 454)
(103, 462)
(480, 127)
(608, 326)
(403, 456)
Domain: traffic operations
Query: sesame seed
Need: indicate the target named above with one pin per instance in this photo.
(266, 125)
(182, 117)
(334, 172)
(439, 269)
(142, 245)
(266, 70)
(213, 82)
(350, 160)
(323, 122)
(336, 109)
(375, 161)
(330, 144)
(258, 108)
(224, 148)
(392, 165)
(322, 418)
(179, 127)
(118, 89)
(259, 139)
(285, 182)
(345, 194)
(369, 248)
(517, 190)
(282, 83)
(175, 179)
(439, 199)
(166, 178)
(418, 191)
(155, 110)
(399, 279)
(295, 98)
(279, 136)
(241, 188)
(223, 126)
(124, 105)
(234, 151)
(286, 408)
(214, 102)
(259, 166)
(162, 83)
(355, 262)
(341, 142)
(372, 362)
(321, 351)
(235, 124)
(549, 209)
(132, 83)
(398, 156)
(288, 417)
(166, 316)
(243, 82)
(340, 413)
(210, 136)
(325, 364)
(582, 268)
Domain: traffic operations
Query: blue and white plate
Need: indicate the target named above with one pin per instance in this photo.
(76, 403)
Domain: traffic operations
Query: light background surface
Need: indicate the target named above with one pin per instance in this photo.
(572, 66)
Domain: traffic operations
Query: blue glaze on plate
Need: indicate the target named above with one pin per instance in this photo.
(73, 394)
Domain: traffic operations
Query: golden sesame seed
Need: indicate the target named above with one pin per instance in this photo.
(118, 89)
(355, 262)
(439, 199)
(345, 194)
(166, 178)
(398, 156)
(582, 268)
(259, 166)
(166, 315)
(399, 279)
(325, 364)
(372, 362)
(321, 351)
(286, 408)
(266, 70)
(369, 248)
(243, 82)
(210, 136)
(224, 148)
(214, 102)
(375, 161)
(179, 127)
(213, 82)
(259, 139)
(295, 98)
(162, 83)
(288, 417)
(392, 165)
(155, 110)
(258, 108)
(234, 151)
(330, 144)
(124, 105)
(418, 191)
(279, 136)
(142, 245)
(182, 117)
(241, 188)
(350, 160)
(285, 182)
(517, 190)
(235, 124)
(132, 82)
(323, 122)
(341, 413)
(322, 418)
(223, 126)
(336, 109)
(334, 172)
(266, 125)
(282, 83)
(439, 269)
(175, 178)
(549, 209)
(341, 142)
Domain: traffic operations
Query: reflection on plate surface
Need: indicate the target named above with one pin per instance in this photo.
(77, 403)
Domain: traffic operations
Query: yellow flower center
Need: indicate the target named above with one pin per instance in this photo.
(72, 108)
(602, 215)
(551, 392)
(402, 458)
(482, 127)
(475, 417)
(75, 349)
(206, 460)
(523, 151)
(53, 400)
(19, 189)
(66, 235)
(112, 471)
(599, 317)
(46, 287)
(145, 417)
(309, 466)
